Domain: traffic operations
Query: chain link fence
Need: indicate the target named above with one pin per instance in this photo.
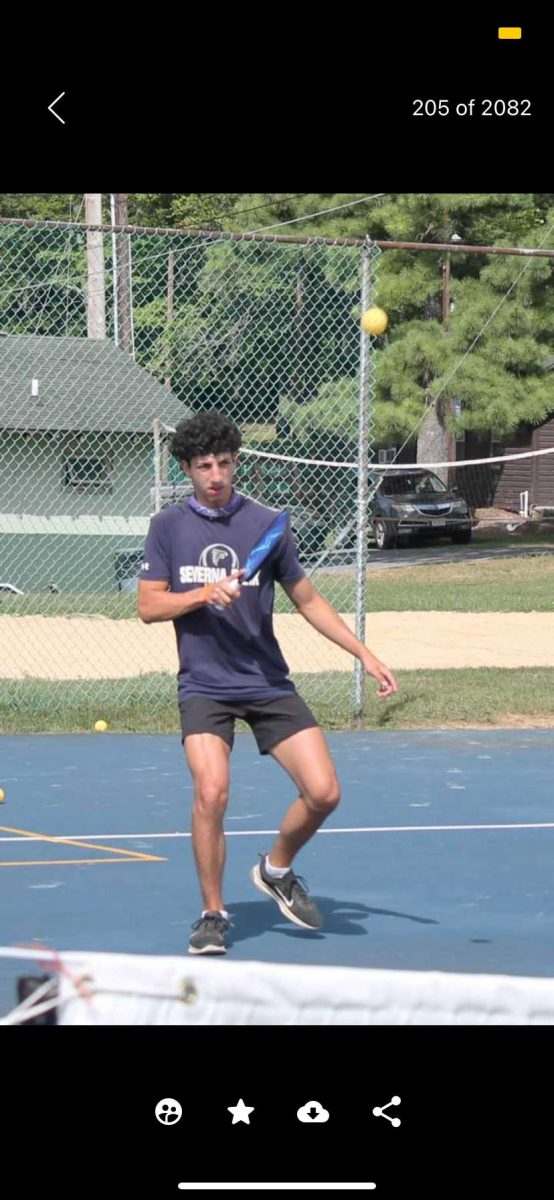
(107, 340)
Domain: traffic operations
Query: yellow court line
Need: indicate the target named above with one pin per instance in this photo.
(64, 862)
(61, 841)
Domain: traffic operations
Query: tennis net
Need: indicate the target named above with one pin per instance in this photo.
(122, 989)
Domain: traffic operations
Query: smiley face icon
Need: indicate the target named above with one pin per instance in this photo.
(168, 1111)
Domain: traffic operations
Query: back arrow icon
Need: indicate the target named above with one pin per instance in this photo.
(51, 108)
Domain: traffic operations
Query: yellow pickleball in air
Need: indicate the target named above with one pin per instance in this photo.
(2, 795)
(101, 726)
(374, 321)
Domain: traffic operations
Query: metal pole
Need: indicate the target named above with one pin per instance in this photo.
(157, 466)
(286, 239)
(363, 485)
(114, 271)
(170, 299)
(124, 276)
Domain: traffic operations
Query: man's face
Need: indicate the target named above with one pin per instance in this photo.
(211, 476)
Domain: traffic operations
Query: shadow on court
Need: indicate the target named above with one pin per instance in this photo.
(343, 918)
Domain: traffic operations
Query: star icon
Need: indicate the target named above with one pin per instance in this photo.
(240, 1112)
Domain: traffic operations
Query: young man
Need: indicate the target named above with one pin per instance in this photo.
(231, 666)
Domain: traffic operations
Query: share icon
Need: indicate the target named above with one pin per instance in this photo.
(380, 1112)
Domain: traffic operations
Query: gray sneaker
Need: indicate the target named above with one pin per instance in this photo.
(209, 934)
(290, 893)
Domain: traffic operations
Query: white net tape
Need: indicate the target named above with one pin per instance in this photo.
(122, 989)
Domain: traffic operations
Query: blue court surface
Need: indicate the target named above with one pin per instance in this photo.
(440, 856)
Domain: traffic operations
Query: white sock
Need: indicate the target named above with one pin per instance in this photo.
(220, 910)
(275, 872)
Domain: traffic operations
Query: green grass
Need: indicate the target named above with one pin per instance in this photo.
(141, 705)
(498, 585)
(431, 699)
(501, 539)
(426, 698)
(255, 434)
(474, 696)
(117, 605)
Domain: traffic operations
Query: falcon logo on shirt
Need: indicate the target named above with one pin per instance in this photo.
(215, 563)
(216, 556)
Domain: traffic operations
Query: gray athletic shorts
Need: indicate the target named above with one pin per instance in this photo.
(271, 720)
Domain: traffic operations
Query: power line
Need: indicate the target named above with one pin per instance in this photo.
(237, 212)
(311, 216)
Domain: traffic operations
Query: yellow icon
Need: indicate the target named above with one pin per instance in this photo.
(509, 33)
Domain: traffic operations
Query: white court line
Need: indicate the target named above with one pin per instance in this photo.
(276, 1187)
(123, 837)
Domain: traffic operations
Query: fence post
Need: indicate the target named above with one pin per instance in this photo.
(157, 465)
(366, 388)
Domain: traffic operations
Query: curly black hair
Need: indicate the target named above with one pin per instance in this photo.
(205, 433)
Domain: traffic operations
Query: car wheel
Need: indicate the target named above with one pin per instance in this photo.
(384, 534)
(461, 536)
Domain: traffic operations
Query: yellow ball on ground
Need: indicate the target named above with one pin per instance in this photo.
(101, 726)
(374, 321)
(2, 795)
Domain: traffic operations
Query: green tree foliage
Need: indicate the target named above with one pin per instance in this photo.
(270, 335)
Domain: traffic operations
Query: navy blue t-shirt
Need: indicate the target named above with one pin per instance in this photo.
(231, 654)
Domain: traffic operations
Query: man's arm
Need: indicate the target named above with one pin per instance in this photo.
(319, 613)
(155, 602)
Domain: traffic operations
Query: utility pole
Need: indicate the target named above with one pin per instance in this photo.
(96, 298)
(451, 437)
(446, 290)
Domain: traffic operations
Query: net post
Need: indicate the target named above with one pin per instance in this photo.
(365, 439)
